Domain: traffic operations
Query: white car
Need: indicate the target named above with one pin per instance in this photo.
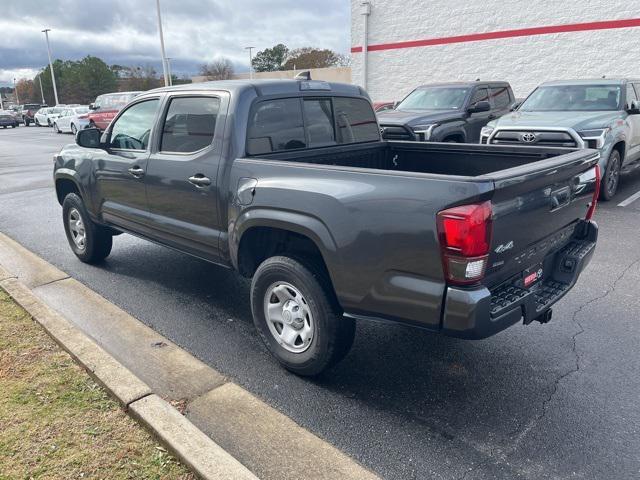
(54, 113)
(72, 119)
(41, 117)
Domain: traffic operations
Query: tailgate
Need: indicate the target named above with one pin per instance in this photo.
(535, 209)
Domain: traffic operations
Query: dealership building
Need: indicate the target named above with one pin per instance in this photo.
(397, 45)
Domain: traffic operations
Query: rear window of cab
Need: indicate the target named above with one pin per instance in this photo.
(282, 124)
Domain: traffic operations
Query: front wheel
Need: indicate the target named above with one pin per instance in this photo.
(74, 130)
(56, 129)
(90, 242)
(297, 316)
(611, 177)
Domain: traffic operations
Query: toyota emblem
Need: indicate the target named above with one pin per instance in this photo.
(528, 137)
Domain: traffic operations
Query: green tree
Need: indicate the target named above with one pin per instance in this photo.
(309, 57)
(270, 59)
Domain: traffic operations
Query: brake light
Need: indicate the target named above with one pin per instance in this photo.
(596, 195)
(465, 238)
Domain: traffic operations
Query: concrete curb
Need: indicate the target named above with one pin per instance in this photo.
(145, 370)
(195, 449)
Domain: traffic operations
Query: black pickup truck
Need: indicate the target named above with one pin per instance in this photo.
(289, 183)
(446, 112)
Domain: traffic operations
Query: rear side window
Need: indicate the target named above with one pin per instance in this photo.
(276, 125)
(189, 124)
(318, 119)
(355, 120)
(500, 96)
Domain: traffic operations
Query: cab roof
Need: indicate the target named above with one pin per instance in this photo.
(588, 81)
(267, 87)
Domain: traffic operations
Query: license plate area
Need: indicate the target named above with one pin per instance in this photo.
(532, 275)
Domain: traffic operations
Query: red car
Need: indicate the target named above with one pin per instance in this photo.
(107, 106)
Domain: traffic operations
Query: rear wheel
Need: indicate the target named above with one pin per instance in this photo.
(56, 129)
(26, 122)
(90, 242)
(297, 316)
(74, 130)
(37, 123)
(611, 177)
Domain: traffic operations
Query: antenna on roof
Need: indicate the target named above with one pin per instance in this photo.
(306, 75)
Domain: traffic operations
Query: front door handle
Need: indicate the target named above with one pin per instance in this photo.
(136, 171)
(200, 180)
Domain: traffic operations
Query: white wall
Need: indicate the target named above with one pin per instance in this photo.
(523, 61)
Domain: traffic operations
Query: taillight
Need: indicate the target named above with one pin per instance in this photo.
(596, 194)
(465, 238)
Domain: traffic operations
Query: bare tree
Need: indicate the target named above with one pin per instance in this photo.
(219, 69)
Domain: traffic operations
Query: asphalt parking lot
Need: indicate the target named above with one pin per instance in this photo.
(542, 401)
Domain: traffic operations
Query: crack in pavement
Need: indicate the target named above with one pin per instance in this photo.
(574, 350)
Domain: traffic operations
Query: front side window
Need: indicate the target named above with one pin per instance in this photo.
(276, 125)
(355, 120)
(132, 129)
(189, 124)
(434, 98)
(480, 95)
(573, 98)
(500, 96)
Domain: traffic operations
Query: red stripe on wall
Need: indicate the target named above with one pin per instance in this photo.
(521, 32)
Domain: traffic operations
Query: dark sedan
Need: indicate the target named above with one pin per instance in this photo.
(8, 120)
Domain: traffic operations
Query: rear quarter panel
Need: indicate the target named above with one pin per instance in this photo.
(376, 231)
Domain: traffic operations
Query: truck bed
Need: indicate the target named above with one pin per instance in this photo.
(468, 160)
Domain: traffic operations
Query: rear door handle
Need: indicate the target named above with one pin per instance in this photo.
(136, 171)
(200, 180)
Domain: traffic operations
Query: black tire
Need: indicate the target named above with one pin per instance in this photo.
(98, 240)
(48, 122)
(4, 126)
(26, 122)
(56, 129)
(333, 333)
(37, 123)
(13, 126)
(611, 177)
(74, 130)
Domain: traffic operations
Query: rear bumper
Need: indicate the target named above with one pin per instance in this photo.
(480, 313)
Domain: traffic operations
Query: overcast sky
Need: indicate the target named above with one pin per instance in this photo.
(195, 31)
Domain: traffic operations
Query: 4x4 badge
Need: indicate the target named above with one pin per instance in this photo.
(504, 247)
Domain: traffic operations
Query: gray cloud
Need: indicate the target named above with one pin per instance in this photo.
(196, 31)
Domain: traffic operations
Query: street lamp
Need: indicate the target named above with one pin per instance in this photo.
(53, 77)
(41, 91)
(164, 55)
(169, 71)
(15, 91)
(250, 62)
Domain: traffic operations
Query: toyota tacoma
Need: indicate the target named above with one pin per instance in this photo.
(289, 183)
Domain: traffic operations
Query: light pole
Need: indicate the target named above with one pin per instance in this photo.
(169, 71)
(250, 62)
(53, 77)
(41, 91)
(164, 55)
(15, 91)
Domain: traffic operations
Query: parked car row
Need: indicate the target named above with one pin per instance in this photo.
(602, 114)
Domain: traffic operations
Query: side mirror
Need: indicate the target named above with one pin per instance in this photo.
(88, 138)
(515, 105)
(634, 109)
(395, 104)
(478, 107)
(92, 106)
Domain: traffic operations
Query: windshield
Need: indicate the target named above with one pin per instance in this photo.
(434, 98)
(574, 98)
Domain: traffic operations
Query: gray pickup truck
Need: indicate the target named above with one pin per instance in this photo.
(289, 183)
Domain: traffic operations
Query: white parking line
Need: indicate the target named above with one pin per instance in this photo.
(630, 200)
